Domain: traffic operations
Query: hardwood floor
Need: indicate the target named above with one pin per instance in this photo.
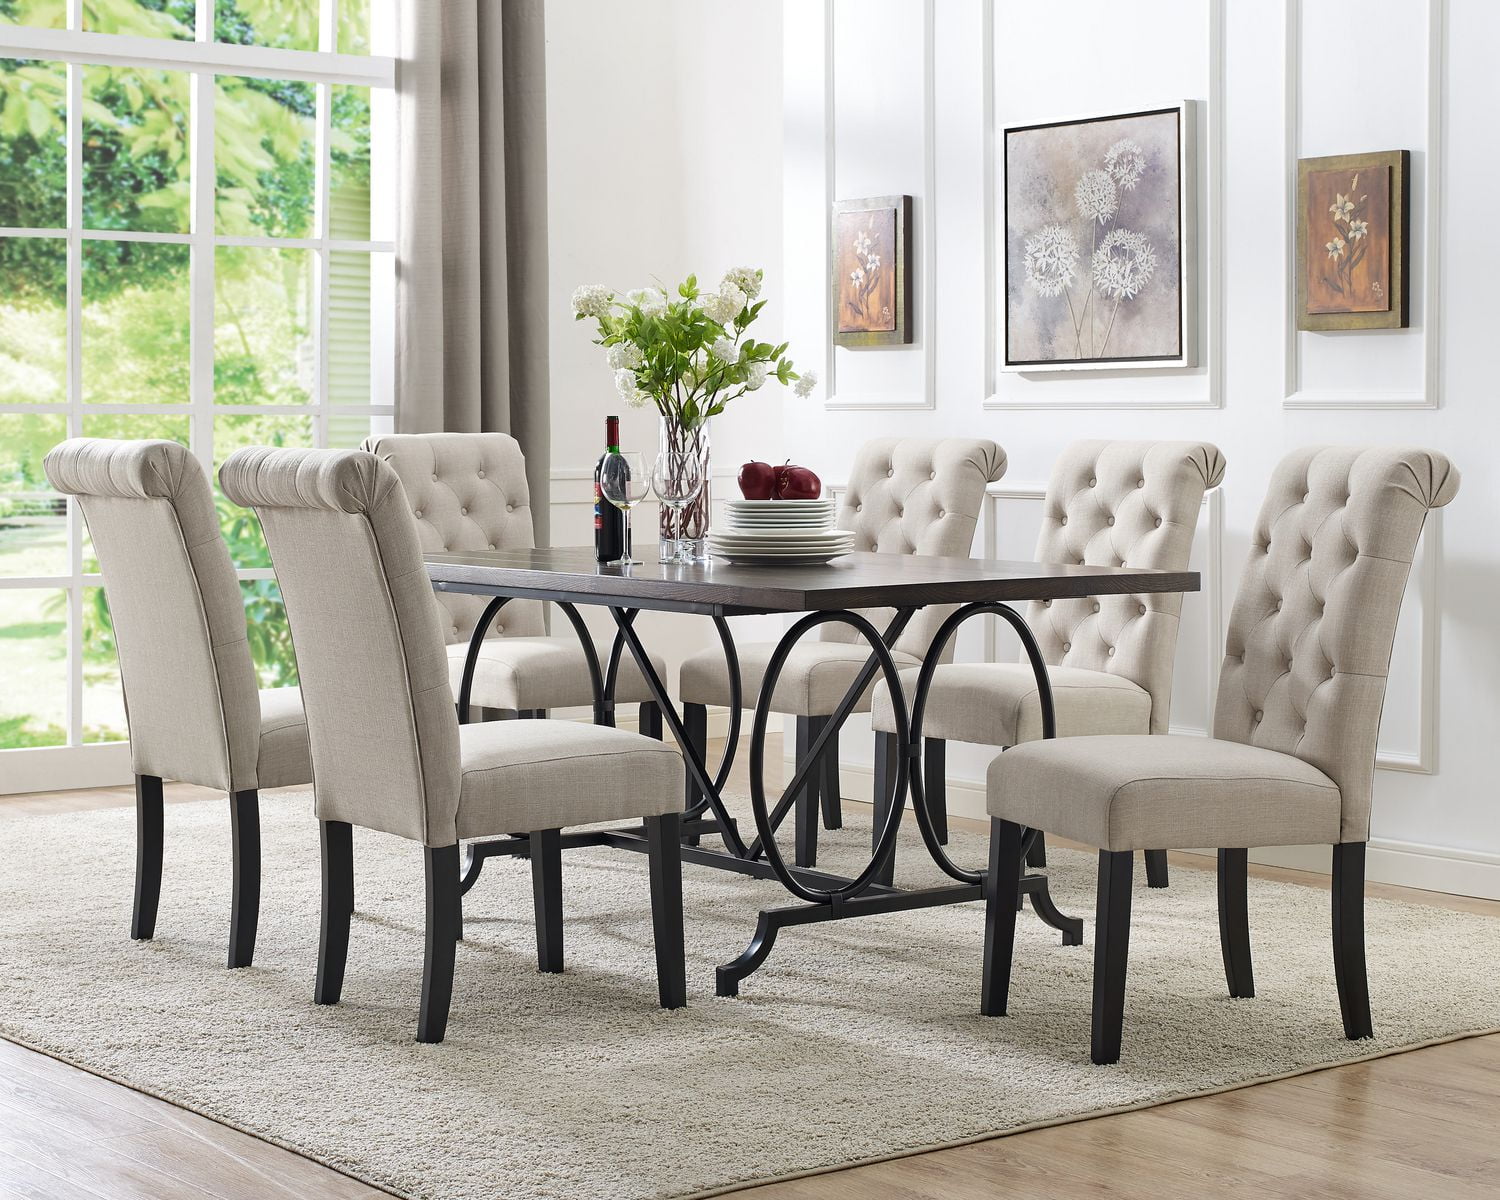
(1420, 1124)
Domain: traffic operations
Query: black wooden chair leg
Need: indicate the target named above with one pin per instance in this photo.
(650, 719)
(664, 851)
(886, 765)
(1156, 868)
(1111, 951)
(1000, 889)
(546, 894)
(1349, 939)
(828, 785)
(444, 901)
(806, 851)
(148, 848)
(1036, 856)
(337, 840)
(695, 725)
(244, 905)
(935, 784)
(1234, 921)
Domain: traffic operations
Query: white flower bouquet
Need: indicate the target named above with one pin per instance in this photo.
(690, 356)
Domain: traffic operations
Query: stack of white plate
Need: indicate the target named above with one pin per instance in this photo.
(779, 532)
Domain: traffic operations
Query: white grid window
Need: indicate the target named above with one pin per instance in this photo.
(196, 242)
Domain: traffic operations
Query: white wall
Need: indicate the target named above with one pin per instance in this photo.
(917, 92)
(664, 158)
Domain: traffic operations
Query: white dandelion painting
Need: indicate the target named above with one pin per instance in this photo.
(1096, 230)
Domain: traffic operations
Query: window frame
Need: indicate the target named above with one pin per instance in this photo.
(80, 764)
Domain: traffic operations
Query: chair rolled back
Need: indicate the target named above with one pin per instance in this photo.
(1113, 504)
(179, 621)
(916, 496)
(367, 631)
(1310, 635)
(468, 492)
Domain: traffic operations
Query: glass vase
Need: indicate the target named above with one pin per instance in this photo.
(684, 531)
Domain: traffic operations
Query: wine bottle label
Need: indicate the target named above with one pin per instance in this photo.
(598, 502)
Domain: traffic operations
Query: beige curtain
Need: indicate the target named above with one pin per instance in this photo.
(471, 240)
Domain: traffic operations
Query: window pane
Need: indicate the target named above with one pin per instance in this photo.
(141, 18)
(347, 430)
(136, 149)
(349, 328)
(349, 163)
(288, 24)
(34, 321)
(38, 14)
(135, 323)
(263, 320)
(263, 156)
(33, 518)
(34, 642)
(103, 701)
(241, 530)
(33, 151)
(354, 26)
(270, 639)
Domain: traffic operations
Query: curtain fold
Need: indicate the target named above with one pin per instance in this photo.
(471, 238)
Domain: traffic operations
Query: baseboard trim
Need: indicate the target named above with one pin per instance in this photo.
(1388, 860)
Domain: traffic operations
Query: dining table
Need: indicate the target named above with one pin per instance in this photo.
(842, 591)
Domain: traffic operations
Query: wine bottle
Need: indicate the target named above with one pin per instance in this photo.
(609, 521)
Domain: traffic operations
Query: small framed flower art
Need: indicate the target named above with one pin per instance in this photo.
(1100, 242)
(1352, 224)
(872, 291)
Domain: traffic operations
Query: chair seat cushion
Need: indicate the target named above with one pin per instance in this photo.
(813, 679)
(284, 759)
(544, 672)
(1162, 792)
(521, 776)
(999, 704)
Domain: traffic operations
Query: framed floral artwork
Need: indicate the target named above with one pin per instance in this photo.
(1100, 242)
(1352, 218)
(872, 293)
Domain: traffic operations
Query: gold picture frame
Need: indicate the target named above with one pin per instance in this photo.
(869, 276)
(1352, 256)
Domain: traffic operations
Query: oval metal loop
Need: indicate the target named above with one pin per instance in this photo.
(763, 827)
(471, 658)
(736, 698)
(590, 655)
(919, 708)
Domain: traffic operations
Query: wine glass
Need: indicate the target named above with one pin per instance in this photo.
(677, 479)
(623, 481)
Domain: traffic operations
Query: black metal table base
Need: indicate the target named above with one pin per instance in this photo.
(825, 896)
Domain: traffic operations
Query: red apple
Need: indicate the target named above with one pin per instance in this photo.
(798, 483)
(757, 480)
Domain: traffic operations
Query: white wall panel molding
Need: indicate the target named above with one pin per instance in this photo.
(1210, 243)
(1428, 395)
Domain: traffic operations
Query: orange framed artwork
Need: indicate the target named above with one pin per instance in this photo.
(1352, 225)
(871, 293)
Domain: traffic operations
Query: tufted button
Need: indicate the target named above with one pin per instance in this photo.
(1140, 483)
(463, 512)
(1278, 606)
(1141, 610)
(1064, 521)
(1081, 563)
(1067, 646)
(434, 477)
(859, 508)
(499, 628)
(1307, 498)
(1158, 522)
(1110, 653)
(481, 474)
(942, 513)
(510, 508)
(1096, 606)
(418, 513)
(1046, 604)
(890, 473)
(1110, 521)
(1259, 716)
(492, 545)
(454, 629)
(1093, 483)
(932, 475)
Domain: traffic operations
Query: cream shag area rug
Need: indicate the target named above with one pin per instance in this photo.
(857, 1040)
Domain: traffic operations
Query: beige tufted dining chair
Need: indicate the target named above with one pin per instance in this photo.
(1292, 756)
(469, 492)
(191, 702)
(1110, 658)
(388, 752)
(905, 496)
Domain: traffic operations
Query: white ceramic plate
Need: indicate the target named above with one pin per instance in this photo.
(781, 537)
(741, 559)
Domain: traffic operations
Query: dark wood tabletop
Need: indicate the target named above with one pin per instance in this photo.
(858, 580)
